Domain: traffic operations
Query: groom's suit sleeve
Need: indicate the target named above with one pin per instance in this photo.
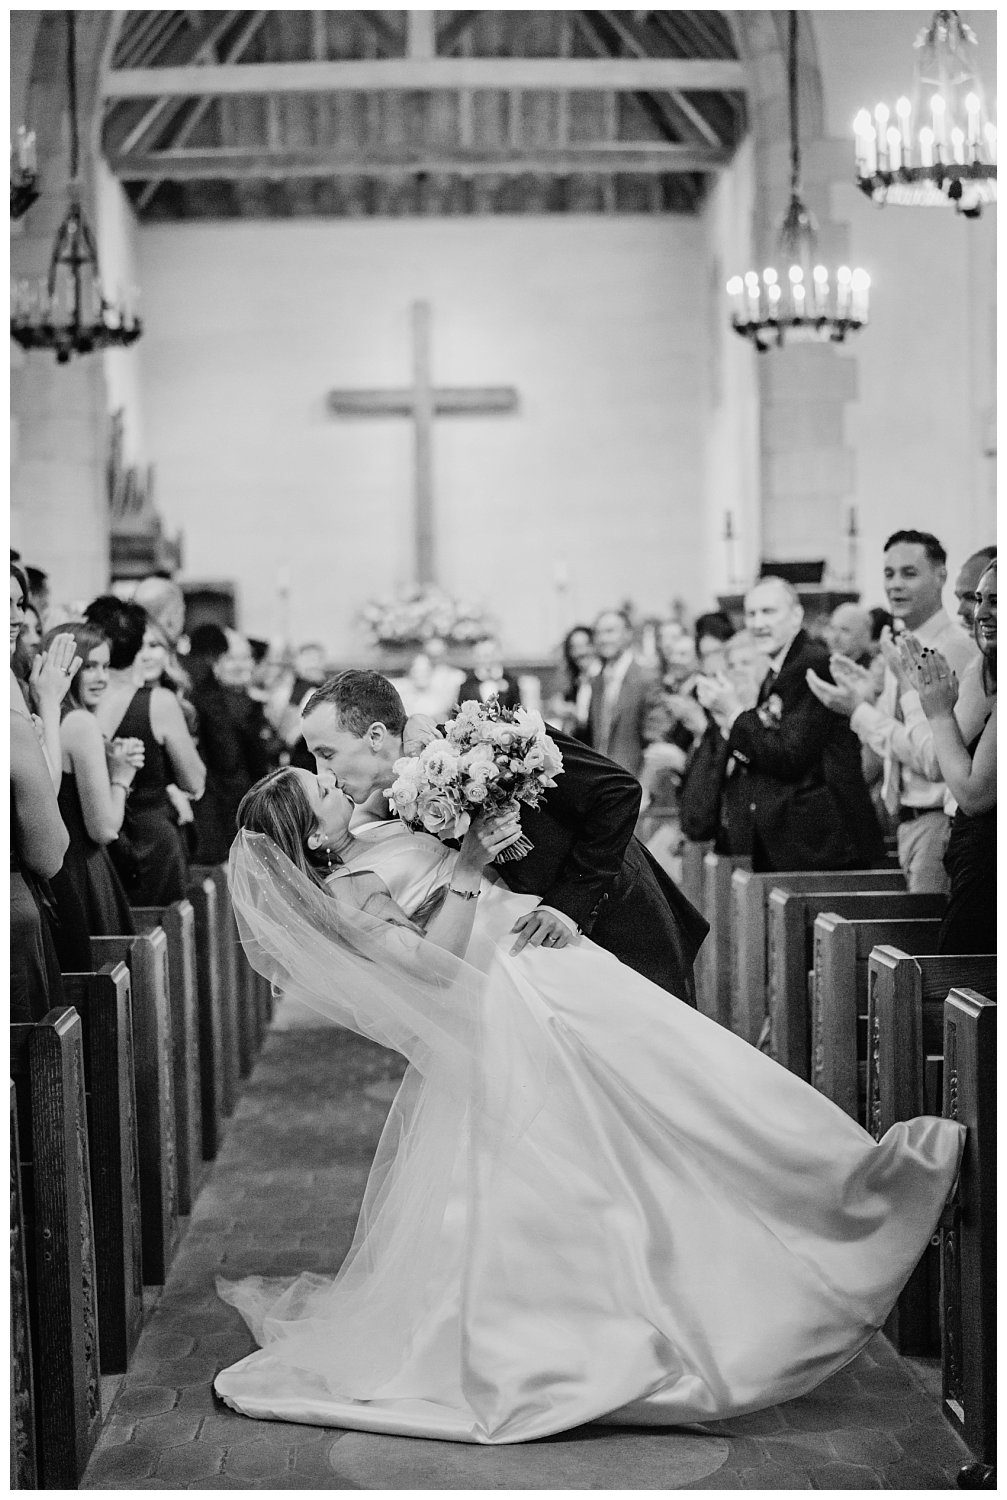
(599, 804)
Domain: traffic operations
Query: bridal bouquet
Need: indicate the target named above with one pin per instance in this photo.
(488, 758)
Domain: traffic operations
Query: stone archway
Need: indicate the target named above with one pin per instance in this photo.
(807, 469)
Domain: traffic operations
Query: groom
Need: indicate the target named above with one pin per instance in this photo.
(592, 875)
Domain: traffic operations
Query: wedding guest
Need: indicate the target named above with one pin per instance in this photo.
(571, 704)
(712, 632)
(488, 676)
(963, 726)
(38, 593)
(234, 738)
(969, 574)
(705, 792)
(800, 785)
(849, 632)
(42, 676)
(149, 853)
(97, 777)
(31, 630)
(915, 572)
(164, 602)
(622, 694)
(38, 842)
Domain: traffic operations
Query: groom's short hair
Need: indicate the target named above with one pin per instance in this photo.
(360, 699)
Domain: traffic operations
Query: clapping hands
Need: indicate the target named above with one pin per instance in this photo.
(851, 685)
(52, 672)
(931, 675)
(720, 698)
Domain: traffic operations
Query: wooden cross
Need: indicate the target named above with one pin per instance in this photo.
(422, 401)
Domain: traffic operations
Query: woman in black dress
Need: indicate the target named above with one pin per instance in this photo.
(38, 841)
(969, 924)
(97, 777)
(149, 854)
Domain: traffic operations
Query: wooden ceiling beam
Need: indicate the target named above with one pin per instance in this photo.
(625, 29)
(452, 31)
(631, 75)
(238, 163)
(388, 38)
(205, 43)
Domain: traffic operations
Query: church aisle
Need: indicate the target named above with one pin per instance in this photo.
(282, 1197)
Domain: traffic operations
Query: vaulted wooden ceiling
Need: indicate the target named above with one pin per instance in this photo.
(231, 114)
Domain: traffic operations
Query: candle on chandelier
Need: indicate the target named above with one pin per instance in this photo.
(972, 110)
(990, 132)
(937, 110)
(904, 111)
(843, 279)
(27, 157)
(958, 145)
(796, 276)
(736, 292)
(821, 277)
(752, 283)
(881, 135)
(926, 147)
(774, 294)
(860, 284)
(894, 149)
(862, 125)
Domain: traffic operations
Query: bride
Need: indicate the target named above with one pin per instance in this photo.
(588, 1201)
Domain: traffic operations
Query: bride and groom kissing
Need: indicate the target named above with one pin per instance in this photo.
(588, 1202)
(593, 876)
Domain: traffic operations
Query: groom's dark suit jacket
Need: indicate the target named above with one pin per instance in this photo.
(587, 863)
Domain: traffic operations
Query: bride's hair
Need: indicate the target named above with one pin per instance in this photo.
(278, 806)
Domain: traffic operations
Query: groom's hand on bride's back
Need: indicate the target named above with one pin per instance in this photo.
(419, 730)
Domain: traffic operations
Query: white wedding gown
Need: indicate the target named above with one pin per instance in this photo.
(617, 1211)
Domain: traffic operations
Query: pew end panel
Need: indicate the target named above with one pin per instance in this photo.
(23, 1467)
(230, 1010)
(202, 896)
(103, 1002)
(47, 1069)
(179, 925)
(839, 998)
(968, 1236)
(146, 957)
(714, 961)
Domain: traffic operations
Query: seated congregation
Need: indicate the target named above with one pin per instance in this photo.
(832, 815)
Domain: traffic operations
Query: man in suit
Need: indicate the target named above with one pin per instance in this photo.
(488, 676)
(799, 800)
(592, 875)
(623, 694)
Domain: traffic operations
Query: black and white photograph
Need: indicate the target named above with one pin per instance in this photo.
(503, 681)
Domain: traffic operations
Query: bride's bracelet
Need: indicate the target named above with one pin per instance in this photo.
(465, 895)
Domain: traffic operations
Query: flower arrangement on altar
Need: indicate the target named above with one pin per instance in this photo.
(487, 758)
(423, 613)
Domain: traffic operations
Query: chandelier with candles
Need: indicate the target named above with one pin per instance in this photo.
(940, 147)
(24, 187)
(67, 311)
(805, 301)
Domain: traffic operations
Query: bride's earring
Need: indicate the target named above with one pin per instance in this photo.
(329, 861)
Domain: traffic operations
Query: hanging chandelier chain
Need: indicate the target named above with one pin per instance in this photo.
(795, 136)
(71, 73)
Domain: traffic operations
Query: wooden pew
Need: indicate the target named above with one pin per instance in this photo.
(202, 896)
(179, 924)
(905, 1026)
(841, 947)
(790, 923)
(23, 1468)
(103, 1002)
(47, 1069)
(230, 1029)
(748, 940)
(714, 960)
(968, 1236)
(146, 957)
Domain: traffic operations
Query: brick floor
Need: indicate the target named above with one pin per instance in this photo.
(282, 1196)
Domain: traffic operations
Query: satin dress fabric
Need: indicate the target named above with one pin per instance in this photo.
(672, 1229)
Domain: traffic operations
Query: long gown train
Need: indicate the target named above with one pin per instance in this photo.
(599, 1204)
